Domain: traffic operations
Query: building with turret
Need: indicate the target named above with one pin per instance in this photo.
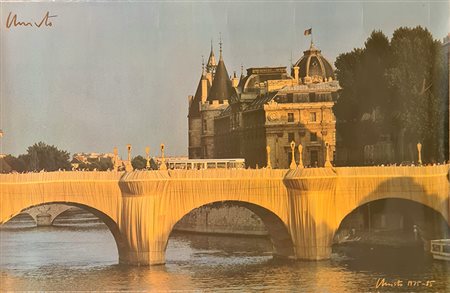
(231, 117)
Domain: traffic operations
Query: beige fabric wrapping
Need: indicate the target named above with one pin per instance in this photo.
(165, 197)
(322, 197)
(145, 205)
(98, 190)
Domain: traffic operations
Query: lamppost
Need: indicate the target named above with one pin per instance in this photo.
(419, 151)
(300, 157)
(269, 165)
(163, 160)
(292, 165)
(129, 152)
(147, 152)
(327, 156)
(116, 159)
(129, 167)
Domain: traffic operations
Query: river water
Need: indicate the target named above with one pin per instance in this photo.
(81, 255)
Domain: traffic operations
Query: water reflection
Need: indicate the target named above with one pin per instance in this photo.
(84, 257)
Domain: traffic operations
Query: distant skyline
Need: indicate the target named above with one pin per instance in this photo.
(108, 74)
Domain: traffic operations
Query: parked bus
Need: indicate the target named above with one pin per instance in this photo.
(198, 164)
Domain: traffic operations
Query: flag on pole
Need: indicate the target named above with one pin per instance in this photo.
(308, 32)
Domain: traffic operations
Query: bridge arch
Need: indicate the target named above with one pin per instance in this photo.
(378, 213)
(60, 214)
(278, 232)
(45, 214)
(430, 191)
(121, 243)
(392, 212)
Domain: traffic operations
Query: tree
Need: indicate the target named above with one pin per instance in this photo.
(347, 72)
(365, 92)
(139, 163)
(102, 164)
(361, 74)
(41, 156)
(4, 166)
(416, 77)
(17, 164)
(397, 88)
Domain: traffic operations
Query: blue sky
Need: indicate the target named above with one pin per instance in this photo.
(108, 74)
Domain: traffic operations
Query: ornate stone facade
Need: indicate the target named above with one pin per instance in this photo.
(239, 118)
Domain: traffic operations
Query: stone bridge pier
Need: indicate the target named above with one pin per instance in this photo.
(298, 207)
(321, 198)
(153, 202)
(312, 210)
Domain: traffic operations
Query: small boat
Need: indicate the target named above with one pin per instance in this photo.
(440, 249)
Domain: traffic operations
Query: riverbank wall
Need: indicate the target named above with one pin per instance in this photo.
(221, 218)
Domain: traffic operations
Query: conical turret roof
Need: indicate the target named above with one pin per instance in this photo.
(221, 88)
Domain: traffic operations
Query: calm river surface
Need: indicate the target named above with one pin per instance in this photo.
(79, 256)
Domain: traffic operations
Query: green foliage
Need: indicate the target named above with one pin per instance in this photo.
(41, 156)
(17, 164)
(398, 88)
(361, 75)
(347, 71)
(139, 162)
(102, 164)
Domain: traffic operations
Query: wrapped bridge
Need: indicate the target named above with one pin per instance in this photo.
(302, 208)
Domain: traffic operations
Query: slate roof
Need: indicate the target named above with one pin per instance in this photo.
(221, 88)
(261, 100)
(313, 63)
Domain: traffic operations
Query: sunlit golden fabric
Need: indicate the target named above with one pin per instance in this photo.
(301, 208)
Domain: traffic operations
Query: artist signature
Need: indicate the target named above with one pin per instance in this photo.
(382, 282)
(12, 21)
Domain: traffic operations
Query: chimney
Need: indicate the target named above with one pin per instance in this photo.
(204, 89)
(296, 69)
(209, 77)
(234, 80)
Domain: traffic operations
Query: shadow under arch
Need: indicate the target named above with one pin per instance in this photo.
(410, 212)
(23, 215)
(62, 214)
(53, 210)
(122, 246)
(282, 243)
(406, 191)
